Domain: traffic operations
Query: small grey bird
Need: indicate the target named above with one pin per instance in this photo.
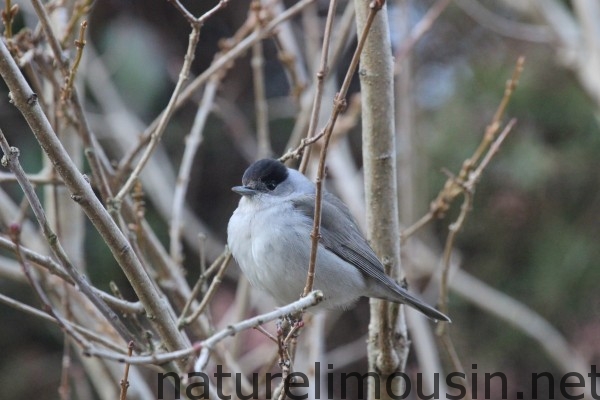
(269, 236)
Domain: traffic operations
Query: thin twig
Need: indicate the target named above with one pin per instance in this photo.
(125, 380)
(164, 120)
(70, 79)
(11, 159)
(54, 268)
(284, 327)
(165, 117)
(466, 182)
(8, 16)
(308, 301)
(494, 148)
(455, 227)
(41, 178)
(266, 333)
(88, 334)
(193, 142)
(453, 186)
(319, 83)
(494, 125)
(298, 151)
(212, 289)
(449, 245)
(343, 33)
(80, 8)
(219, 63)
(15, 232)
(93, 152)
(26, 101)
(200, 283)
(184, 11)
(208, 344)
(258, 79)
(44, 261)
(339, 105)
(40, 10)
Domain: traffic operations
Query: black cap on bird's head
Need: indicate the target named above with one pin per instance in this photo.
(262, 176)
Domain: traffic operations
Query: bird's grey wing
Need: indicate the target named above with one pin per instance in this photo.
(340, 235)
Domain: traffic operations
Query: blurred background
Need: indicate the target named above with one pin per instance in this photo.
(533, 233)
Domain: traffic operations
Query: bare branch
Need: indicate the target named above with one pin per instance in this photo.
(454, 185)
(258, 80)
(125, 380)
(218, 65)
(15, 231)
(193, 142)
(93, 152)
(70, 79)
(319, 83)
(164, 120)
(82, 193)
(209, 293)
(200, 282)
(208, 344)
(307, 301)
(10, 158)
(8, 16)
(55, 269)
(388, 344)
(87, 333)
(339, 106)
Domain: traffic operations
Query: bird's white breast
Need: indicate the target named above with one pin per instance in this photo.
(271, 243)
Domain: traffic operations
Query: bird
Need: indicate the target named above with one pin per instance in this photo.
(269, 237)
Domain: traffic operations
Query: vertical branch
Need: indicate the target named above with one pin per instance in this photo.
(339, 105)
(68, 223)
(387, 347)
(70, 79)
(125, 380)
(8, 16)
(406, 136)
(321, 74)
(344, 32)
(258, 80)
(193, 141)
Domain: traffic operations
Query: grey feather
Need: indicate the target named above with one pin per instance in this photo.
(340, 234)
(269, 236)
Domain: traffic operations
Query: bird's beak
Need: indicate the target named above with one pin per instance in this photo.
(244, 191)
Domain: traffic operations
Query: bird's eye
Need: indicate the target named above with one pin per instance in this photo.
(270, 185)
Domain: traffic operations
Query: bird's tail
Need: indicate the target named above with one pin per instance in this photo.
(400, 295)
